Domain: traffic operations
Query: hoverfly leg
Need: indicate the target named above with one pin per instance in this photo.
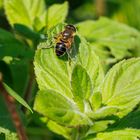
(58, 37)
(69, 57)
(74, 50)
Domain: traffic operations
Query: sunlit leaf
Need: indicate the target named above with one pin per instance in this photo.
(96, 100)
(99, 126)
(124, 134)
(121, 86)
(24, 11)
(90, 61)
(56, 14)
(59, 129)
(111, 40)
(54, 73)
(103, 112)
(59, 74)
(81, 85)
(8, 134)
(60, 109)
(16, 96)
(48, 77)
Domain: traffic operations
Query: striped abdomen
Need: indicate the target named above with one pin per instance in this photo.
(60, 49)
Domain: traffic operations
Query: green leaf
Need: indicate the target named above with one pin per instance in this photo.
(56, 77)
(57, 14)
(132, 120)
(51, 125)
(121, 86)
(111, 45)
(48, 77)
(99, 126)
(16, 96)
(10, 46)
(24, 11)
(54, 73)
(26, 32)
(124, 134)
(96, 100)
(17, 72)
(8, 134)
(61, 130)
(90, 61)
(59, 108)
(81, 85)
(103, 112)
(61, 70)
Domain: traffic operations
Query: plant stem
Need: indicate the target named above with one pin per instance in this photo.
(10, 102)
(100, 7)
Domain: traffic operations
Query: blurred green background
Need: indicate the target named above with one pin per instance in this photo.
(125, 11)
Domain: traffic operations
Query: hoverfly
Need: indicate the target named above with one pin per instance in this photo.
(64, 40)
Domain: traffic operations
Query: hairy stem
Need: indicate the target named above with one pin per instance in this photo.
(10, 102)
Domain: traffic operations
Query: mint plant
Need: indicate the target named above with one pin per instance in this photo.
(95, 96)
(78, 97)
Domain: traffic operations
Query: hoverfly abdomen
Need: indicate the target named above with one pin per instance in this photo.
(60, 49)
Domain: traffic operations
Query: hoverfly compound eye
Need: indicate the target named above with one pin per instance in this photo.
(71, 27)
